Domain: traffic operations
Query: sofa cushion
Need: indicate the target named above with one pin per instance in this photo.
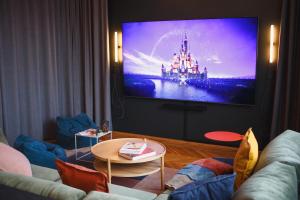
(164, 195)
(3, 137)
(129, 192)
(245, 158)
(284, 148)
(41, 187)
(218, 187)
(94, 195)
(13, 161)
(7, 192)
(81, 177)
(45, 173)
(275, 181)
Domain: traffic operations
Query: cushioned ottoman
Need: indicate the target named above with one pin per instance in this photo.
(39, 152)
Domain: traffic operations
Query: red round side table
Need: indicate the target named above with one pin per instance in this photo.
(223, 136)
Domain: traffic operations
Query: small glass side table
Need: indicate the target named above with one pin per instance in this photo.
(96, 136)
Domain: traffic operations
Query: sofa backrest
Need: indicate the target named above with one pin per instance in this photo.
(275, 181)
(13, 193)
(277, 173)
(3, 137)
(285, 148)
(95, 195)
(49, 189)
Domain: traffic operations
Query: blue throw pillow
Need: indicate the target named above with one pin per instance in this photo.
(218, 187)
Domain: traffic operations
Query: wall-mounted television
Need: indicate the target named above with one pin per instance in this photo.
(202, 60)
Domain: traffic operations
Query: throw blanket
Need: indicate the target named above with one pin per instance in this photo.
(200, 170)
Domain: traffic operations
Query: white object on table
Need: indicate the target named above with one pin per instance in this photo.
(95, 136)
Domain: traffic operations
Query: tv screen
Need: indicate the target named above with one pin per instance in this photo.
(203, 60)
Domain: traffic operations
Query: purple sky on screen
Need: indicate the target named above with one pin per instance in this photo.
(227, 47)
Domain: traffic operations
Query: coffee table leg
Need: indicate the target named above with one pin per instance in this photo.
(162, 172)
(75, 148)
(109, 170)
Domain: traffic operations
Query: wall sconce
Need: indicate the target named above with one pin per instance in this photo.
(118, 47)
(272, 56)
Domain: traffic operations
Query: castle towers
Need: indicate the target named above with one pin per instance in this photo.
(183, 64)
(184, 45)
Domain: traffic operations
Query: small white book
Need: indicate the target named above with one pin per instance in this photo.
(133, 147)
(148, 152)
(88, 132)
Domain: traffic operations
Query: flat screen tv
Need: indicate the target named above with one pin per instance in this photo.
(202, 60)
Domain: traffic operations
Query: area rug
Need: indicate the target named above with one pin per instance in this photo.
(149, 183)
(152, 183)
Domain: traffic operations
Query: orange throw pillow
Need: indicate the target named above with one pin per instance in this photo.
(245, 158)
(82, 177)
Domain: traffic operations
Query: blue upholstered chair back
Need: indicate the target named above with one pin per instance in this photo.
(68, 126)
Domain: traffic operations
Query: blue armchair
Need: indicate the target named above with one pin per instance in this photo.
(40, 152)
(68, 126)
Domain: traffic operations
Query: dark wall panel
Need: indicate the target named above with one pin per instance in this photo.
(146, 116)
(149, 117)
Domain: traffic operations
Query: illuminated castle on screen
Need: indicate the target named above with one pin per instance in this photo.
(183, 66)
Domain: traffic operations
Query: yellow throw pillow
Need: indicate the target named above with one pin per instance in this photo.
(245, 158)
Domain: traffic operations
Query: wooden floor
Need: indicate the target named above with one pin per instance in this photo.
(179, 152)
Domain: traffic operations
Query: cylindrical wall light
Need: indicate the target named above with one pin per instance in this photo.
(118, 47)
(272, 56)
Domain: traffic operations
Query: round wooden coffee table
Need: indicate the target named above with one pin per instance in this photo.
(109, 161)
